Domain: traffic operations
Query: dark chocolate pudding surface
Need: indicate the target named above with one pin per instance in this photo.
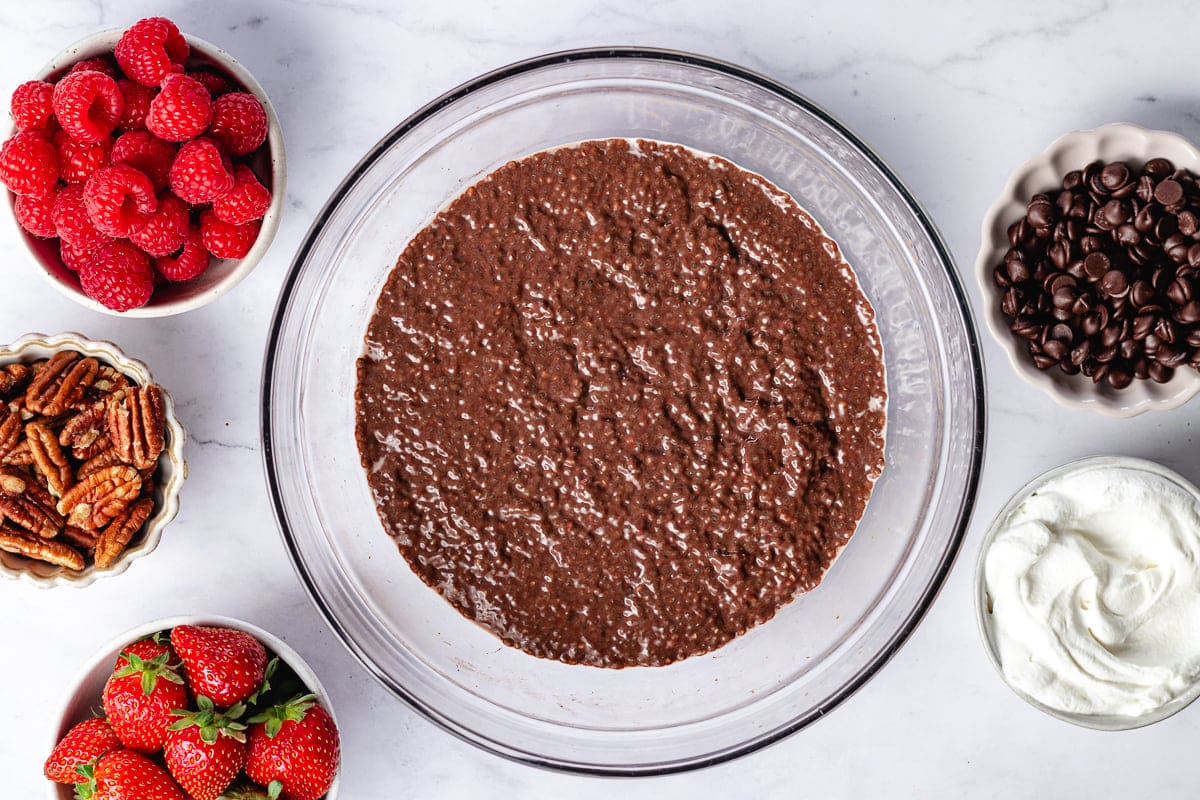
(621, 402)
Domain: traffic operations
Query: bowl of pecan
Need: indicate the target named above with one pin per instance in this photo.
(91, 460)
(1090, 270)
(145, 170)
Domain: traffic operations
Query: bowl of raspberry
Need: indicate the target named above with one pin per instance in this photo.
(145, 170)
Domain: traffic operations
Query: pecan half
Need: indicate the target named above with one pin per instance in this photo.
(120, 531)
(48, 458)
(136, 420)
(13, 378)
(78, 537)
(29, 515)
(97, 463)
(60, 383)
(86, 433)
(10, 432)
(100, 497)
(50, 551)
(109, 380)
(12, 482)
(19, 456)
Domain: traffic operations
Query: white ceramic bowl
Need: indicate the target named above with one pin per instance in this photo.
(172, 469)
(1102, 722)
(1116, 142)
(222, 274)
(84, 693)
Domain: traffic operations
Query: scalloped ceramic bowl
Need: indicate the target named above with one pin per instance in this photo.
(222, 274)
(83, 695)
(172, 469)
(1116, 142)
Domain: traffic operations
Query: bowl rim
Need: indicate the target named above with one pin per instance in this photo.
(1098, 722)
(176, 472)
(963, 514)
(105, 653)
(1138, 143)
(101, 43)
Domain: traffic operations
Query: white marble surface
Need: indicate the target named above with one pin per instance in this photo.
(952, 97)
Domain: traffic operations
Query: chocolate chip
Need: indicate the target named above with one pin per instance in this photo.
(1189, 312)
(1114, 176)
(1119, 378)
(1143, 324)
(1176, 247)
(1158, 167)
(1128, 234)
(1141, 293)
(1168, 192)
(1055, 349)
(1189, 223)
(1095, 265)
(1159, 373)
(1113, 283)
(1043, 361)
(1114, 212)
(1041, 213)
(1145, 219)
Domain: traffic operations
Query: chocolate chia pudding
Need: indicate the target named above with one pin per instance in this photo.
(620, 402)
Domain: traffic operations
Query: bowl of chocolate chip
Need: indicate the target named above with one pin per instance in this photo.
(1089, 268)
(91, 460)
(622, 412)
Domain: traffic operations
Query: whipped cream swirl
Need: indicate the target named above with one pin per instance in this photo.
(1093, 591)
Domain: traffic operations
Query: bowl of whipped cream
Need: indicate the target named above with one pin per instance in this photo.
(1088, 592)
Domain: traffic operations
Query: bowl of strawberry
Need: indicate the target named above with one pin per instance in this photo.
(196, 708)
(145, 170)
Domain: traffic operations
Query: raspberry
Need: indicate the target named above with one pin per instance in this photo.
(181, 111)
(215, 84)
(74, 256)
(97, 65)
(190, 263)
(33, 213)
(118, 276)
(201, 172)
(150, 50)
(146, 153)
(71, 220)
(166, 230)
(28, 164)
(247, 201)
(119, 200)
(224, 240)
(77, 161)
(32, 106)
(137, 105)
(239, 122)
(88, 105)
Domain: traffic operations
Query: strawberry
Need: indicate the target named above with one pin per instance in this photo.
(223, 664)
(139, 696)
(126, 775)
(83, 744)
(205, 750)
(294, 749)
(146, 649)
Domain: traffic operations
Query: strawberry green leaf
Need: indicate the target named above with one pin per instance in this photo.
(273, 789)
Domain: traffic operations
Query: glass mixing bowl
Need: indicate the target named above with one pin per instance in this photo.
(780, 676)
